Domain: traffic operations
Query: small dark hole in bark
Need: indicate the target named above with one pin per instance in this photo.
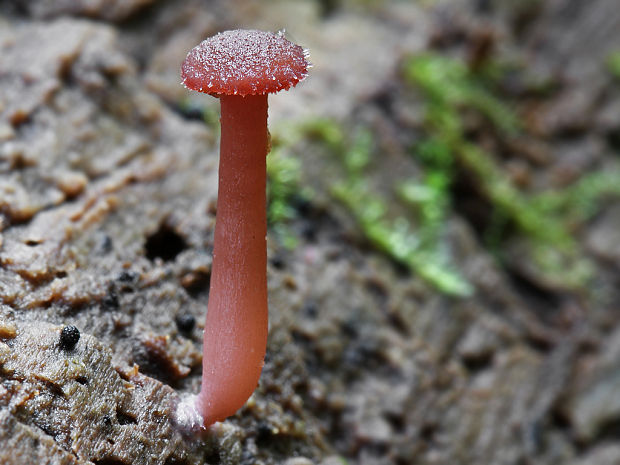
(428, 431)
(278, 262)
(54, 388)
(396, 421)
(178, 461)
(610, 430)
(165, 243)
(264, 435)
(560, 419)
(613, 139)
(46, 428)
(377, 289)
(212, 457)
(83, 380)
(124, 418)
(537, 294)
(109, 461)
(538, 343)
(478, 362)
(196, 283)
(299, 337)
(350, 328)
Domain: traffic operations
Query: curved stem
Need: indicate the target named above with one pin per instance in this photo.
(235, 336)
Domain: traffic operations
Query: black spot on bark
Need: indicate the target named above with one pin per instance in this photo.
(185, 323)
(110, 300)
(69, 337)
(127, 277)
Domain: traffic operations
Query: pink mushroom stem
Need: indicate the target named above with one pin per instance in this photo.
(241, 68)
(235, 334)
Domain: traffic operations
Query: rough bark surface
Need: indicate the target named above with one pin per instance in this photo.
(107, 207)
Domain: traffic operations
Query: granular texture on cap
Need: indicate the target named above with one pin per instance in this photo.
(244, 62)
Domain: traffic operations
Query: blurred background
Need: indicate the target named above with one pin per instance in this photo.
(443, 209)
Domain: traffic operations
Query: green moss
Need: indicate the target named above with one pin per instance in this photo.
(429, 197)
(279, 209)
(399, 240)
(546, 219)
(408, 223)
(613, 64)
(282, 187)
(324, 131)
(582, 200)
(418, 248)
(413, 240)
(448, 85)
(283, 173)
(284, 182)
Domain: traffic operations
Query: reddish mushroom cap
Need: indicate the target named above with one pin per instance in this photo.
(244, 62)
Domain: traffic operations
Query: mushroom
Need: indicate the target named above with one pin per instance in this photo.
(240, 67)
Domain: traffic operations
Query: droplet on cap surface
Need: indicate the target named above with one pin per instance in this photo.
(244, 62)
